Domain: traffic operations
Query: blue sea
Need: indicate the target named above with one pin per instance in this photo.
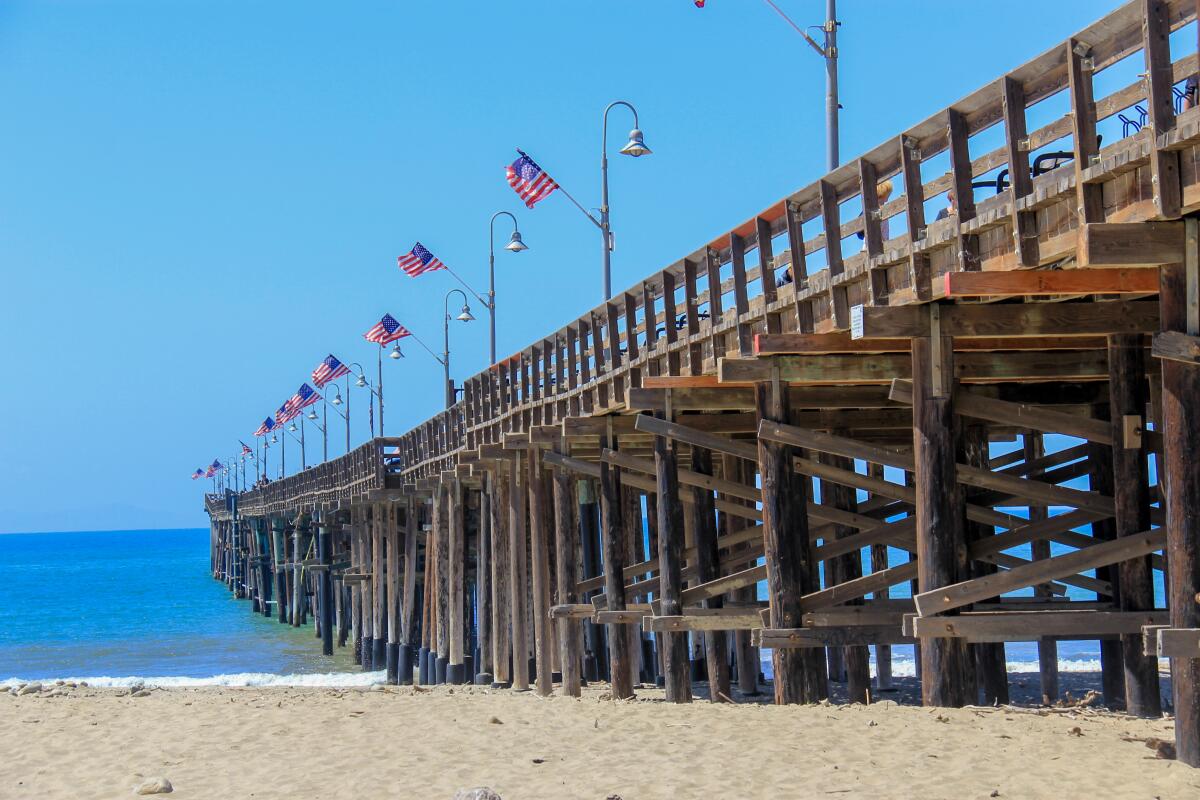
(117, 607)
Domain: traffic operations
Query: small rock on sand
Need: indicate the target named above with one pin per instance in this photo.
(140, 693)
(30, 688)
(478, 793)
(154, 786)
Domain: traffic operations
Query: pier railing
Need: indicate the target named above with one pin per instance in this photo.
(800, 265)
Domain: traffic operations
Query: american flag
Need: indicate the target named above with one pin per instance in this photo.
(419, 261)
(217, 464)
(386, 330)
(302, 399)
(528, 180)
(208, 473)
(330, 370)
(198, 474)
(245, 448)
(283, 415)
(266, 427)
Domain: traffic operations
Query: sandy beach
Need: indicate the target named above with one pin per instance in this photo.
(397, 742)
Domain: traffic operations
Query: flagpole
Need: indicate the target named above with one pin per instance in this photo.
(467, 286)
(379, 357)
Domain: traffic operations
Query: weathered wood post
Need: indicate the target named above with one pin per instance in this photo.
(409, 642)
(517, 573)
(483, 584)
(746, 655)
(391, 539)
(941, 537)
(800, 674)
(879, 562)
(1181, 464)
(856, 658)
(325, 576)
(428, 592)
(441, 605)
(612, 533)
(278, 556)
(501, 577)
(570, 634)
(378, 591)
(539, 531)
(677, 665)
(1112, 659)
(1034, 449)
(1128, 396)
(716, 643)
(455, 582)
(990, 665)
(595, 649)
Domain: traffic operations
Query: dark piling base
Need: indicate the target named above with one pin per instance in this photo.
(379, 653)
(699, 670)
(484, 679)
(423, 666)
(393, 663)
(456, 674)
(366, 650)
(404, 664)
(439, 668)
(591, 670)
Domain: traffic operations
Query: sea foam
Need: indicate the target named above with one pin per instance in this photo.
(316, 679)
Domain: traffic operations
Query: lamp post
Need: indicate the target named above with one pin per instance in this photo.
(463, 316)
(515, 245)
(635, 147)
(361, 381)
(300, 439)
(337, 401)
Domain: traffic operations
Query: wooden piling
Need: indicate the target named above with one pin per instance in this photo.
(539, 532)
(941, 539)
(409, 642)
(455, 582)
(1181, 495)
(501, 579)
(857, 658)
(517, 553)
(570, 634)
(612, 538)
(325, 581)
(483, 584)
(716, 643)
(676, 664)
(1033, 449)
(800, 674)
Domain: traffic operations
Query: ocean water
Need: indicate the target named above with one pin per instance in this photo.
(114, 607)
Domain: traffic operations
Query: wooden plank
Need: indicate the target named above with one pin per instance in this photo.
(1177, 346)
(1016, 320)
(742, 398)
(842, 342)
(1178, 643)
(1110, 552)
(1130, 244)
(832, 226)
(742, 621)
(914, 215)
(1086, 144)
(1021, 283)
(1021, 414)
(1029, 626)
(806, 638)
(865, 370)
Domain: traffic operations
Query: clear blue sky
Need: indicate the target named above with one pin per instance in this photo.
(199, 200)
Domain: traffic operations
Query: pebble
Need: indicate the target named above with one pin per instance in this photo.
(154, 786)
(140, 693)
(30, 688)
(478, 793)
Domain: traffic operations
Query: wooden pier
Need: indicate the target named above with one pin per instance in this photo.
(788, 406)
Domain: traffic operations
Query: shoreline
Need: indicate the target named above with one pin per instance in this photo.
(399, 742)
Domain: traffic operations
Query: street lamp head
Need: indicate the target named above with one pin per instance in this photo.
(636, 145)
(337, 398)
(274, 438)
(465, 315)
(292, 427)
(312, 413)
(361, 382)
(515, 245)
(396, 353)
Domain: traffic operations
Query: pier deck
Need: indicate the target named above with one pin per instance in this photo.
(790, 404)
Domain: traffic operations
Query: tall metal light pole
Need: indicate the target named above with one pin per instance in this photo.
(515, 245)
(463, 316)
(829, 52)
(634, 147)
(337, 401)
(361, 382)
